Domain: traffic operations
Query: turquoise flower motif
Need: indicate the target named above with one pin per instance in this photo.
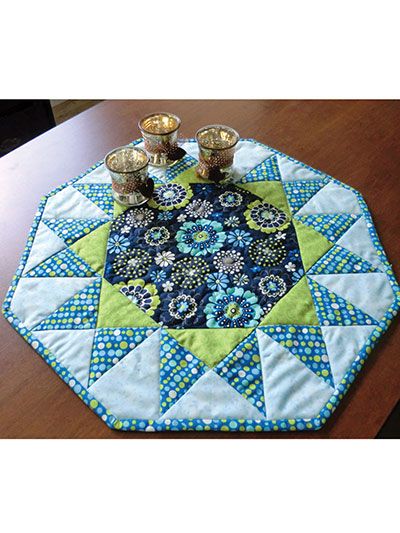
(217, 281)
(117, 244)
(201, 237)
(233, 308)
(239, 238)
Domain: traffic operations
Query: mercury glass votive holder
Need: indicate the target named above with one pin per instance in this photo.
(217, 145)
(128, 167)
(160, 134)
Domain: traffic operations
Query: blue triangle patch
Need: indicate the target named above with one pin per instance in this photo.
(179, 369)
(72, 229)
(110, 345)
(333, 310)
(299, 192)
(62, 264)
(98, 193)
(338, 260)
(268, 170)
(79, 312)
(242, 370)
(307, 344)
(331, 226)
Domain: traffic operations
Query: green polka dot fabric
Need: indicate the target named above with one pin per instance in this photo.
(249, 306)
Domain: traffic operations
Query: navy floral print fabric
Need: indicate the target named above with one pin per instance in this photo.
(202, 255)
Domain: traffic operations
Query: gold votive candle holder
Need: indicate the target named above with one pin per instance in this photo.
(128, 167)
(217, 145)
(160, 135)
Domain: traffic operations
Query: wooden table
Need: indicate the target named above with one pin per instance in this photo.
(357, 142)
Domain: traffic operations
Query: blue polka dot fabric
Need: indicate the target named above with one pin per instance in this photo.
(338, 260)
(333, 310)
(307, 344)
(180, 167)
(331, 226)
(298, 192)
(100, 194)
(79, 312)
(242, 369)
(179, 369)
(63, 264)
(72, 229)
(268, 170)
(110, 345)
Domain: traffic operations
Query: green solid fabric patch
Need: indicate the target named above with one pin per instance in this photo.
(117, 311)
(210, 345)
(92, 248)
(296, 307)
(270, 191)
(312, 244)
(119, 209)
(190, 176)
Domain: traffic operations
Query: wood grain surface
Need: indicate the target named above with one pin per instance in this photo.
(357, 142)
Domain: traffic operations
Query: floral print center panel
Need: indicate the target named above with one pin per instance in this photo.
(204, 256)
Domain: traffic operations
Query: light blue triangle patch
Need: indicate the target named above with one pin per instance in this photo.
(338, 260)
(72, 229)
(307, 344)
(63, 264)
(331, 226)
(268, 170)
(333, 310)
(79, 312)
(185, 163)
(179, 369)
(242, 370)
(110, 345)
(100, 194)
(298, 192)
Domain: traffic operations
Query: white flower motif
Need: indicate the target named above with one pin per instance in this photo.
(164, 259)
(125, 229)
(168, 286)
(280, 236)
(290, 267)
(181, 218)
(199, 209)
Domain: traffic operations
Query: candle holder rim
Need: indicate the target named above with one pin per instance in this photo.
(210, 126)
(133, 148)
(164, 113)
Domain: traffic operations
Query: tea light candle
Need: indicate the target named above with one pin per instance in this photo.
(128, 167)
(160, 134)
(217, 146)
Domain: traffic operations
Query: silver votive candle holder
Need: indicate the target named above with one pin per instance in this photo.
(160, 135)
(217, 145)
(128, 167)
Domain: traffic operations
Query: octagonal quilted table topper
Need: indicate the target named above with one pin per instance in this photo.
(243, 307)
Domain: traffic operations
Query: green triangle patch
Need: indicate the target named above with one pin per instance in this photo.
(210, 345)
(333, 310)
(296, 307)
(72, 229)
(79, 312)
(271, 191)
(110, 345)
(117, 311)
(312, 244)
(93, 247)
(62, 264)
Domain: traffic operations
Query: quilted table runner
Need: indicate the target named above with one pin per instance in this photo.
(243, 307)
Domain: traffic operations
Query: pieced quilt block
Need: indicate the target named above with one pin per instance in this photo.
(250, 306)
